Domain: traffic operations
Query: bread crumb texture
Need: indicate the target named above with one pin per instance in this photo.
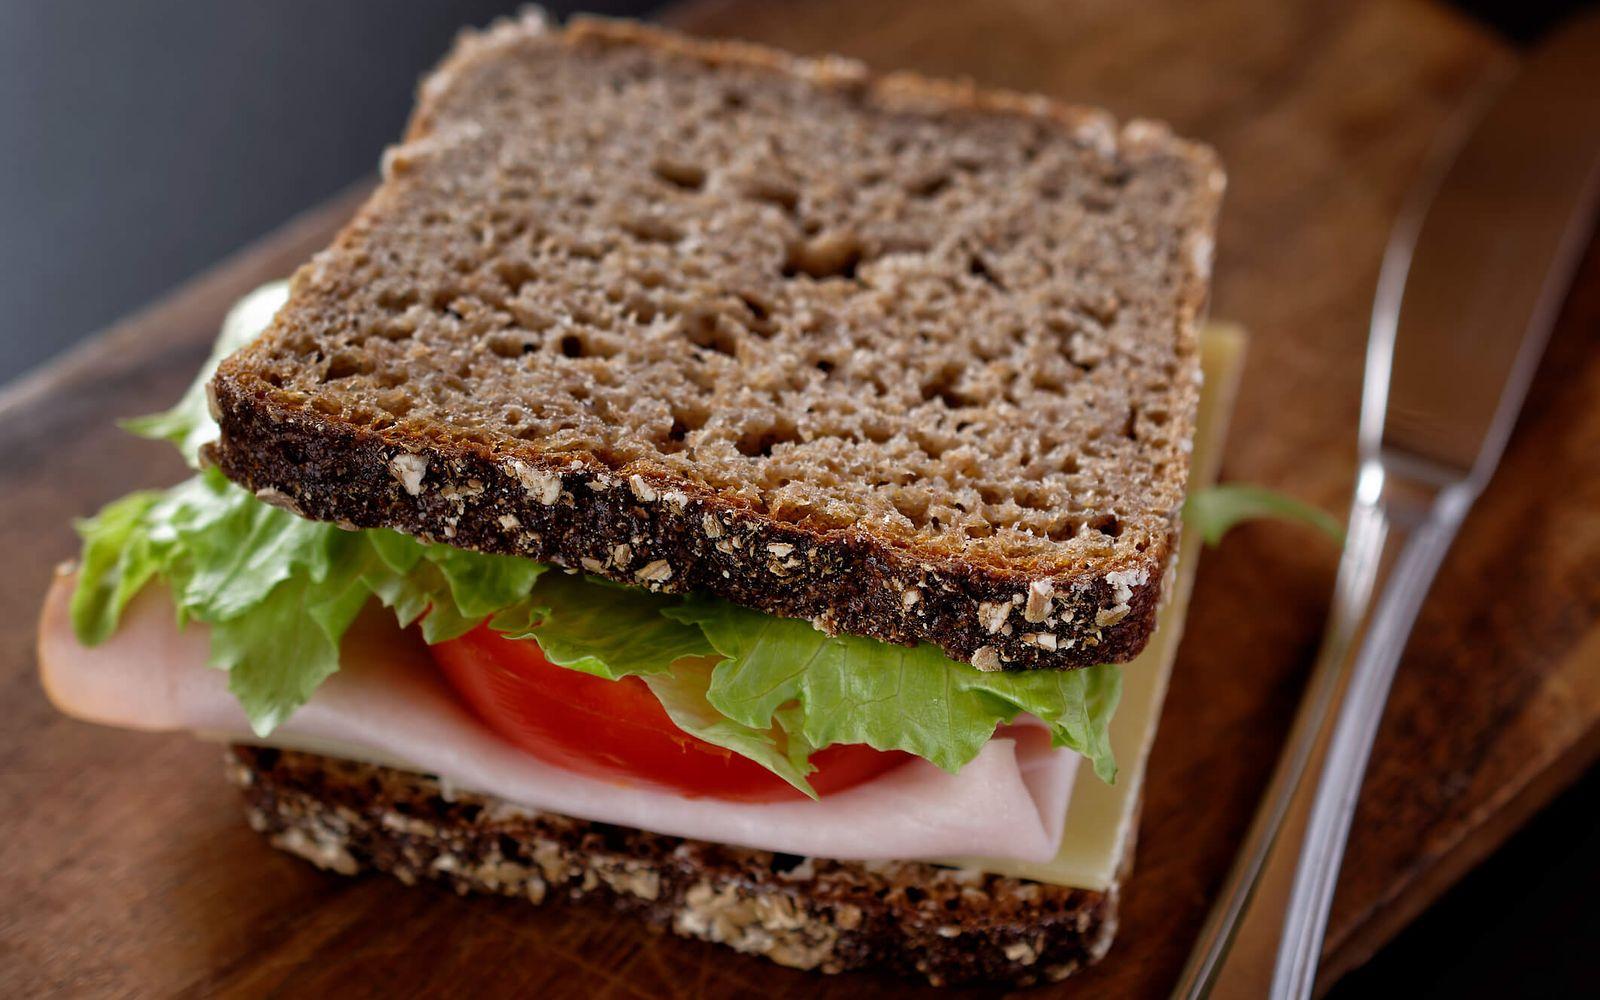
(947, 925)
(958, 323)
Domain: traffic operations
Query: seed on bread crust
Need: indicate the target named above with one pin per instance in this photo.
(409, 470)
(947, 925)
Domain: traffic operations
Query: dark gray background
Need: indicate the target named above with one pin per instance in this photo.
(142, 141)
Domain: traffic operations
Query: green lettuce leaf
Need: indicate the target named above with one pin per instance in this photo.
(781, 750)
(1219, 509)
(239, 552)
(278, 591)
(855, 690)
(608, 631)
(116, 563)
(275, 658)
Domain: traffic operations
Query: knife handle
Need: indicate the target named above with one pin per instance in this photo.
(1398, 530)
(1421, 521)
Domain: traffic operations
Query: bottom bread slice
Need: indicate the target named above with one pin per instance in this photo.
(948, 924)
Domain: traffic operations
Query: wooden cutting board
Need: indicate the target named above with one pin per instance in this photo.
(126, 868)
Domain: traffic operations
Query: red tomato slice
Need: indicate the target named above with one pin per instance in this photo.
(617, 729)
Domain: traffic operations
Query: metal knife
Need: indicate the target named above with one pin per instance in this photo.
(1475, 273)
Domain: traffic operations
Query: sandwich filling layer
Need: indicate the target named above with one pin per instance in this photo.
(389, 705)
(1007, 809)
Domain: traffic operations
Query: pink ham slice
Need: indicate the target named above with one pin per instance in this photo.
(388, 705)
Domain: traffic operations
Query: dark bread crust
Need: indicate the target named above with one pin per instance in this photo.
(846, 580)
(909, 918)
(645, 524)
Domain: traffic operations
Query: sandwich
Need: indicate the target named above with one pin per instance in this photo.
(734, 487)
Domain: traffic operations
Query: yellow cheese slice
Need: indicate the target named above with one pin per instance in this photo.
(1101, 819)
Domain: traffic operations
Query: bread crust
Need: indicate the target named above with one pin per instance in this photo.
(667, 534)
(646, 525)
(908, 918)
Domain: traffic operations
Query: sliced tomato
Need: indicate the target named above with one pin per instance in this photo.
(617, 729)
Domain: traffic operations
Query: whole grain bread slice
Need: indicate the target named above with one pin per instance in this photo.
(906, 358)
(912, 918)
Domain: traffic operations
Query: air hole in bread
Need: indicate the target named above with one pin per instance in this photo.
(641, 309)
(652, 228)
(760, 309)
(829, 255)
(773, 191)
(943, 388)
(933, 443)
(979, 268)
(680, 174)
(759, 443)
(1032, 496)
(1064, 530)
(397, 299)
(705, 330)
(1106, 524)
(395, 328)
(1096, 202)
(1048, 381)
(930, 185)
(877, 433)
(514, 273)
(702, 376)
(685, 420)
(509, 345)
(344, 364)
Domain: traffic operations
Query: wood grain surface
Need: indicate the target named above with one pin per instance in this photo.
(126, 867)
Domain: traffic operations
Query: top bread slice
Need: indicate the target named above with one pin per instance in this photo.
(906, 358)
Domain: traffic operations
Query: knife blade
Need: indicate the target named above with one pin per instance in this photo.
(1492, 263)
(1473, 278)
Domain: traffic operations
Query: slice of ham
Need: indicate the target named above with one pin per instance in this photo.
(388, 705)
